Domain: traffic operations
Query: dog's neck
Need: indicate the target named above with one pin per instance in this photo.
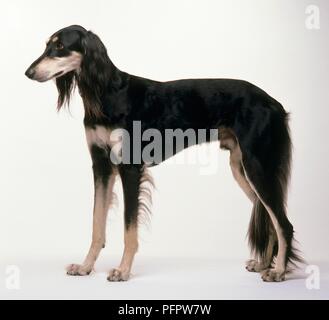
(95, 79)
(100, 75)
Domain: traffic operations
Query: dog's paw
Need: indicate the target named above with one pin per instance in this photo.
(118, 275)
(254, 266)
(78, 270)
(272, 275)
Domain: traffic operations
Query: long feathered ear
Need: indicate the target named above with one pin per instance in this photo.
(94, 74)
(65, 87)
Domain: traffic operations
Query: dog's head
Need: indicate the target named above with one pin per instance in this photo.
(63, 54)
(72, 54)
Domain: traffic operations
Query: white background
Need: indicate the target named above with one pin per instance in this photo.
(46, 180)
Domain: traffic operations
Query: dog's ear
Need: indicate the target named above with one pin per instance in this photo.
(94, 47)
(65, 87)
(96, 61)
(94, 73)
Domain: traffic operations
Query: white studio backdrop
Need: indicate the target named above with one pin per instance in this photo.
(46, 179)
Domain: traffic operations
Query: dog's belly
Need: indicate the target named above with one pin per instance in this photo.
(131, 147)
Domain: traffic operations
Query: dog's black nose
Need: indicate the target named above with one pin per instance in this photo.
(30, 73)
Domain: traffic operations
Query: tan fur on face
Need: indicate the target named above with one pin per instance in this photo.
(48, 67)
(51, 39)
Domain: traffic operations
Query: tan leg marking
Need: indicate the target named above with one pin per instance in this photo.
(278, 272)
(229, 141)
(238, 174)
(102, 202)
(122, 273)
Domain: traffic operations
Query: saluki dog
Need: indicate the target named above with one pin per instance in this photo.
(251, 125)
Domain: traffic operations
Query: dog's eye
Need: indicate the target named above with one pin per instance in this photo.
(59, 46)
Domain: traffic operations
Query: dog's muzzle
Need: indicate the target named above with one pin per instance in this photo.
(30, 72)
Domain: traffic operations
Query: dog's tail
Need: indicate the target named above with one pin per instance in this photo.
(260, 231)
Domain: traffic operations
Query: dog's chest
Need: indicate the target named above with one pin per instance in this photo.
(104, 137)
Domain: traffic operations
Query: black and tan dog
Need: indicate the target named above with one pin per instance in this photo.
(251, 125)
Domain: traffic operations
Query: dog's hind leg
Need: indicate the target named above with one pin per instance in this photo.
(283, 228)
(132, 179)
(104, 178)
(229, 142)
(266, 162)
(264, 261)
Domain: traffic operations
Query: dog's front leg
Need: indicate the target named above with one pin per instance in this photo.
(131, 177)
(104, 178)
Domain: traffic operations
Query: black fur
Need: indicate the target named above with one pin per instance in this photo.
(113, 98)
(65, 87)
(102, 169)
(260, 227)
